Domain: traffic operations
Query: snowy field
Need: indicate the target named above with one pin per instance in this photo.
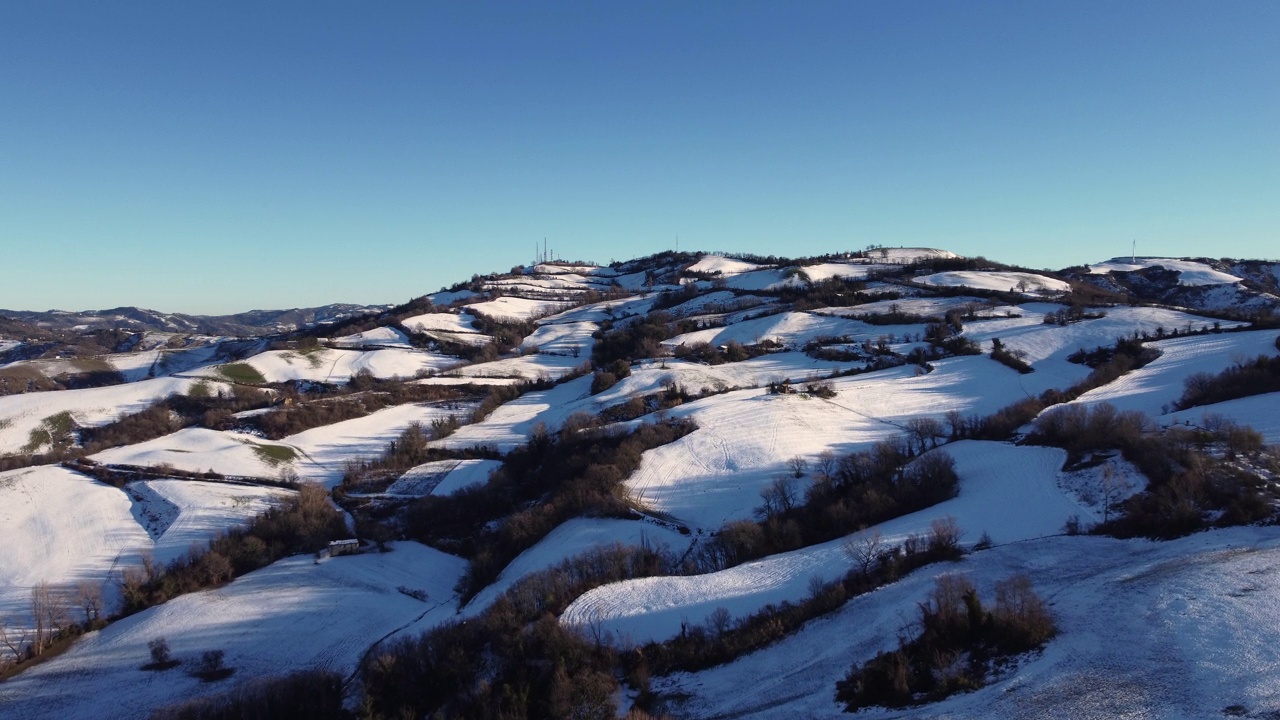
(1048, 346)
(1260, 412)
(382, 337)
(443, 477)
(517, 309)
(1189, 271)
(745, 438)
(317, 455)
(574, 538)
(994, 479)
(441, 322)
(64, 528)
(89, 407)
(1155, 387)
(997, 280)
(295, 614)
(1181, 629)
(338, 366)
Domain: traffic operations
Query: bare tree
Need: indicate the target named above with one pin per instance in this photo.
(1112, 489)
(926, 432)
(945, 534)
(49, 611)
(865, 549)
(778, 497)
(16, 643)
(719, 621)
(798, 465)
(89, 599)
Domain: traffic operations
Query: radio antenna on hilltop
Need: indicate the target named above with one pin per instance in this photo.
(677, 243)
(1133, 257)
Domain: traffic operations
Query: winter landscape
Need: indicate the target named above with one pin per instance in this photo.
(894, 480)
(669, 360)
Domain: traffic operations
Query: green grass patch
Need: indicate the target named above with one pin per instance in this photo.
(243, 373)
(54, 431)
(200, 390)
(275, 454)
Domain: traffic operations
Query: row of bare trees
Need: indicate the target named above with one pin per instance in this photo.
(53, 615)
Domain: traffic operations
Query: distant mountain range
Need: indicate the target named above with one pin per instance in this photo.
(253, 323)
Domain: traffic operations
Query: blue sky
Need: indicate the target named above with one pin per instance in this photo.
(219, 157)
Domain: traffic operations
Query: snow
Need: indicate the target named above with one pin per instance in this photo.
(926, 306)
(574, 538)
(325, 450)
(517, 309)
(338, 366)
(568, 338)
(448, 297)
(1182, 629)
(441, 322)
(321, 452)
(902, 255)
(1154, 387)
(89, 407)
(792, 329)
(1260, 412)
(1189, 271)
(62, 528)
(744, 438)
(203, 510)
(199, 449)
(383, 336)
(996, 280)
(508, 426)
(718, 264)
(1008, 491)
(443, 477)
(1048, 346)
(292, 615)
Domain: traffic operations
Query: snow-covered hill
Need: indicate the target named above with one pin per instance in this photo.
(795, 374)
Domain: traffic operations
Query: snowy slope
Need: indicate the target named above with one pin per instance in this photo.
(337, 366)
(744, 438)
(1260, 412)
(62, 528)
(995, 478)
(441, 322)
(996, 280)
(383, 337)
(198, 449)
(574, 538)
(205, 509)
(517, 309)
(295, 614)
(90, 407)
(1183, 629)
(1158, 385)
(1189, 272)
(442, 477)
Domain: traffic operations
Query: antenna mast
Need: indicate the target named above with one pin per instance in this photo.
(1133, 257)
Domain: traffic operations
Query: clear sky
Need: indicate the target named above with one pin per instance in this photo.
(222, 156)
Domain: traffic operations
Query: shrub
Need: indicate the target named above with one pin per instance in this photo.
(959, 644)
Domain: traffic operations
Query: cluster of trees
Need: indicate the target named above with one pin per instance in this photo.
(1015, 359)
(555, 477)
(54, 615)
(960, 641)
(312, 694)
(732, 351)
(723, 638)
(893, 478)
(515, 660)
(1188, 489)
(364, 395)
(1244, 378)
